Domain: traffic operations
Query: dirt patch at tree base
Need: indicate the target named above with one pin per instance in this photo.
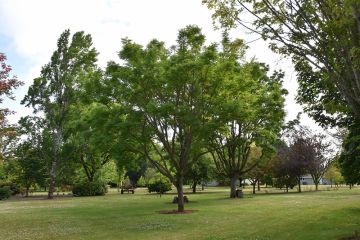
(176, 211)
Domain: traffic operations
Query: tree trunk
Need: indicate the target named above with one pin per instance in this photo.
(287, 189)
(233, 187)
(316, 182)
(27, 191)
(194, 187)
(258, 185)
(91, 179)
(202, 186)
(299, 183)
(254, 186)
(240, 182)
(180, 191)
(54, 165)
(52, 178)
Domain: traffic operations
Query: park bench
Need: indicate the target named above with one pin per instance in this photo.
(127, 187)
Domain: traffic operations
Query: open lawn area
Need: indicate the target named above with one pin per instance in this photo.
(309, 215)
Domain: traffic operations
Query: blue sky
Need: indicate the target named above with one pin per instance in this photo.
(29, 31)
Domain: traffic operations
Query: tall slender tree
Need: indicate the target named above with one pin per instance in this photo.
(54, 91)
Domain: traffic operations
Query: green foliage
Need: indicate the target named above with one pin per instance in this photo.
(14, 188)
(322, 39)
(136, 170)
(151, 174)
(285, 181)
(167, 96)
(87, 142)
(250, 109)
(141, 182)
(201, 172)
(57, 88)
(333, 174)
(349, 160)
(5, 192)
(2, 171)
(33, 154)
(108, 173)
(89, 189)
(159, 186)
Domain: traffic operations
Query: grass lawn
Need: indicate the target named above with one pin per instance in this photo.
(309, 215)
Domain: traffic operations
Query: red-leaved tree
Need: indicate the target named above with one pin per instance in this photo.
(7, 84)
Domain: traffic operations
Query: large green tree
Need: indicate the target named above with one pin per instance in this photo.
(54, 91)
(87, 142)
(167, 96)
(250, 115)
(32, 153)
(323, 40)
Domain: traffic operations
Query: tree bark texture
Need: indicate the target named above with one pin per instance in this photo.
(233, 187)
(194, 187)
(52, 184)
(180, 192)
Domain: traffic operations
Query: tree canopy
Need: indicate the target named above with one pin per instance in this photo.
(322, 39)
(166, 94)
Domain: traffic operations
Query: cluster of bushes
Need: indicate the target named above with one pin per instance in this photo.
(5, 192)
(89, 189)
(159, 186)
(14, 188)
(7, 189)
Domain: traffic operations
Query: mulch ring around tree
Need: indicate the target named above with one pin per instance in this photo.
(176, 211)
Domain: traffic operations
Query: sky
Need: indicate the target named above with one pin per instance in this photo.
(29, 31)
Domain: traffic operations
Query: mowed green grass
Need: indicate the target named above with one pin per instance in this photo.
(310, 215)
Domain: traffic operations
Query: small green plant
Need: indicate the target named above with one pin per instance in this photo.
(159, 186)
(89, 189)
(5, 192)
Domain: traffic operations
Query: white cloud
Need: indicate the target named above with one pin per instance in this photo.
(34, 27)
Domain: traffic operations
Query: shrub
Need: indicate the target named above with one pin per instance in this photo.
(159, 186)
(112, 184)
(14, 189)
(89, 189)
(141, 182)
(5, 192)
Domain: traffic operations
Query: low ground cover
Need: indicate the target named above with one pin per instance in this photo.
(273, 215)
